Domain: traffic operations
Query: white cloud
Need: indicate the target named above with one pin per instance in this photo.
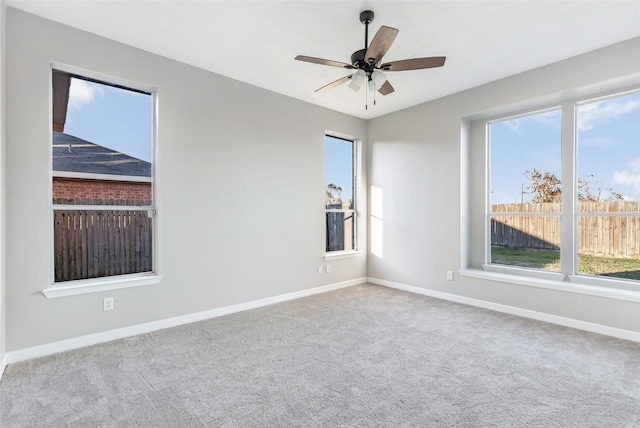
(513, 125)
(603, 111)
(83, 93)
(547, 118)
(629, 177)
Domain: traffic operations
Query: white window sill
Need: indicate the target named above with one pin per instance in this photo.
(601, 287)
(335, 255)
(101, 284)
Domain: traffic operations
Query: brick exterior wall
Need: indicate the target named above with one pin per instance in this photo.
(111, 192)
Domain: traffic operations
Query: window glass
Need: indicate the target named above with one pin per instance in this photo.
(102, 154)
(608, 190)
(339, 194)
(525, 191)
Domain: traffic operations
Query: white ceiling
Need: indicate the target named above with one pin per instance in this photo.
(255, 42)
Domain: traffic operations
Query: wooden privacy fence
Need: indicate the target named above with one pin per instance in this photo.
(339, 229)
(101, 242)
(335, 231)
(598, 233)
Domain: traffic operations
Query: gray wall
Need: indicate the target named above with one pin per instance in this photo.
(3, 8)
(250, 163)
(245, 162)
(418, 156)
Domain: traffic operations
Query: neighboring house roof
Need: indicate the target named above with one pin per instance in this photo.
(72, 154)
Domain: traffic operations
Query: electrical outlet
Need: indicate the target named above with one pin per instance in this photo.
(319, 270)
(450, 275)
(107, 304)
(328, 269)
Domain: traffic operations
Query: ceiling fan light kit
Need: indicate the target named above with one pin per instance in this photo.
(357, 79)
(378, 77)
(368, 61)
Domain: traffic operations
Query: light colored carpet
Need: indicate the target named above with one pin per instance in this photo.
(362, 356)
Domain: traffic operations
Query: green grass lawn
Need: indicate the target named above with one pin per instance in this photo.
(550, 260)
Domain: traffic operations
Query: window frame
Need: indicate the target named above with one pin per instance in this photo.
(111, 282)
(568, 279)
(538, 273)
(357, 194)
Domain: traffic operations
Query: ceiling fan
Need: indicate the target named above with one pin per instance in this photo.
(368, 61)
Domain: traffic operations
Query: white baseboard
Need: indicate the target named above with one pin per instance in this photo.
(526, 313)
(93, 339)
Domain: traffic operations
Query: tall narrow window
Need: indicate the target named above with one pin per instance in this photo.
(340, 209)
(525, 192)
(102, 165)
(608, 191)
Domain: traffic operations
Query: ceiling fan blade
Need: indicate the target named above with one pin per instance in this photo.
(323, 61)
(334, 83)
(380, 44)
(414, 64)
(386, 88)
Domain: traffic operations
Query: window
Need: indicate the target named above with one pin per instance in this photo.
(340, 201)
(564, 190)
(525, 193)
(102, 179)
(608, 188)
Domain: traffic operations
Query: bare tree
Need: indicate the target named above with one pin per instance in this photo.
(545, 187)
(588, 191)
(333, 194)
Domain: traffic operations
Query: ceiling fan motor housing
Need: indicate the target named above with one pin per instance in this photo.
(366, 17)
(357, 59)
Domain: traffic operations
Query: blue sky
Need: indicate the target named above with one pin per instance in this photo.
(115, 118)
(608, 148)
(338, 165)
